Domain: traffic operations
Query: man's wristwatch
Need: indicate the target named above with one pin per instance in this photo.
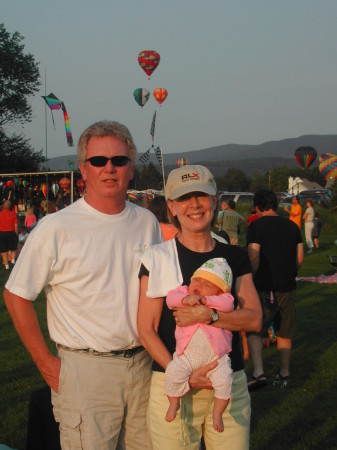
(215, 316)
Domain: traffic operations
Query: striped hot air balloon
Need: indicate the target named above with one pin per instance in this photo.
(181, 162)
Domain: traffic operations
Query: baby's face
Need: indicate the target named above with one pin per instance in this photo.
(200, 286)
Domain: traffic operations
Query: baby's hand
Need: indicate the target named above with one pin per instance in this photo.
(192, 300)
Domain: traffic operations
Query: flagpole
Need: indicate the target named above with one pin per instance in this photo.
(45, 121)
(162, 167)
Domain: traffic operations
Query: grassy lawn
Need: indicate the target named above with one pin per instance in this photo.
(302, 416)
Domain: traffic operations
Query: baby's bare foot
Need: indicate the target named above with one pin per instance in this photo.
(218, 423)
(171, 413)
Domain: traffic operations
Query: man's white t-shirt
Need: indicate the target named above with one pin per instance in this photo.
(87, 262)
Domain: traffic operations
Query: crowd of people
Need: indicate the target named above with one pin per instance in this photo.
(146, 309)
(18, 217)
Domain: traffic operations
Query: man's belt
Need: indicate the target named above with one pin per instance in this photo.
(128, 353)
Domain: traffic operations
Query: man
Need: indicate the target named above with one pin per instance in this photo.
(275, 249)
(8, 234)
(295, 212)
(86, 259)
(230, 221)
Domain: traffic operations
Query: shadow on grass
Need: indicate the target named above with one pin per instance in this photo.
(303, 415)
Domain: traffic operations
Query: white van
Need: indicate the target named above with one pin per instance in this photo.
(238, 197)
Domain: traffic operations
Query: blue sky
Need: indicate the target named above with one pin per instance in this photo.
(244, 71)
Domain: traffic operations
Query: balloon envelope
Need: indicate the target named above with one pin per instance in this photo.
(55, 188)
(328, 165)
(10, 183)
(64, 183)
(305, 156)
(148, 61)
(43, 189)
(160, 95)
(181, 162)
(141, 96)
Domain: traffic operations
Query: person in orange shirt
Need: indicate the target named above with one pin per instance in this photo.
(295, 212)
(159, 209)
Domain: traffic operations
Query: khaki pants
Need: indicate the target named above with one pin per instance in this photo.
(102, 401)
(198, 412)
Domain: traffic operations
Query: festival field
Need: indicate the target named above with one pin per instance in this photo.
(302, 416)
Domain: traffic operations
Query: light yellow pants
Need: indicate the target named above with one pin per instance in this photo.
(198, 412)
(102, 401)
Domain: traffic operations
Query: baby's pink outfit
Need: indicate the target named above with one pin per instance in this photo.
(198, 345)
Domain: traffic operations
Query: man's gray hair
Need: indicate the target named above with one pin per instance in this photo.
(102, 129)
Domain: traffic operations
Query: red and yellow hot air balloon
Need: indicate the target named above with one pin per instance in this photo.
(148, 61)
(43, 189)
(160, 95)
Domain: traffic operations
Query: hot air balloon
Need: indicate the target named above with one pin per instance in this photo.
(160, 95)
(17, 182)
(328, 165)
(80, 184)
(43, 188)
(24, 182)
(10, 183)
(181, 162)
(55, 188)
(305, 156)
(64, 183)
(141, 96)
(148, 61)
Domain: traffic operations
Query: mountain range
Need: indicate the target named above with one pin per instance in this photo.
(250, 159)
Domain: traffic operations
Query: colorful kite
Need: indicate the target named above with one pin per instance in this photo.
(148, 61)
(54, 103)
(160, 95)
(141, 96)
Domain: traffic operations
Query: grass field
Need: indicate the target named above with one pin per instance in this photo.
(302, 416)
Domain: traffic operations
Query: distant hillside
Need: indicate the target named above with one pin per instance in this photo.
(249, 158)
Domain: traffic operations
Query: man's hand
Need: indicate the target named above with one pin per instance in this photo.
(192, 315)
(51, 372)
(199, 379)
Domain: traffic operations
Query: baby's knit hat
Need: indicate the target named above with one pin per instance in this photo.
(218, 272)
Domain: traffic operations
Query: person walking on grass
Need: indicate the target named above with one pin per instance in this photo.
(275, 249)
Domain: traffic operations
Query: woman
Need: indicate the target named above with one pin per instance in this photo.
(191, 199)
(308, 219)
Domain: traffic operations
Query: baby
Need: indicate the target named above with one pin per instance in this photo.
(200, 344)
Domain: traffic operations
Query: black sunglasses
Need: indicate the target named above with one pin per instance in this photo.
(101, 161)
